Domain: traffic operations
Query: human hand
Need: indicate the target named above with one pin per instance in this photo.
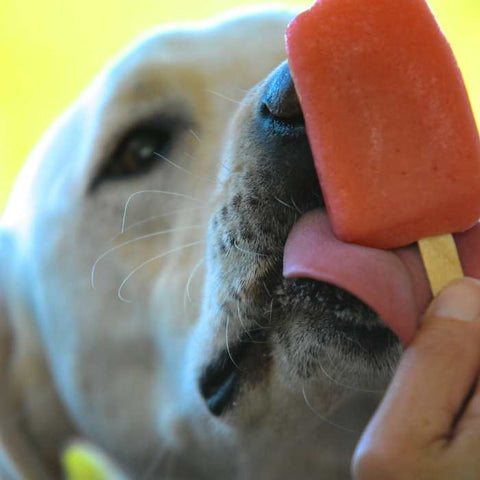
(428, 424)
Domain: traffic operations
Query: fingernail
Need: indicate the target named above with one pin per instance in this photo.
(459, 300)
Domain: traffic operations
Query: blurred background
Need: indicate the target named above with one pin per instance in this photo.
(51, 49)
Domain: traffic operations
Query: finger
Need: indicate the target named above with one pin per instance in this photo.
(434, 375)
(466, 436)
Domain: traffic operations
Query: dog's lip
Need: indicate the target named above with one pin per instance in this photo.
(392, 282)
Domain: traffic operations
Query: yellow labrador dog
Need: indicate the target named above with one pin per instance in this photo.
(148, 303)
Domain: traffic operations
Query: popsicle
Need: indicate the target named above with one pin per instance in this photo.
(389, 122)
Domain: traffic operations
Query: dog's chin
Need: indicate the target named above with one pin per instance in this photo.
(316, 333)
(295, 330)
(326, 323)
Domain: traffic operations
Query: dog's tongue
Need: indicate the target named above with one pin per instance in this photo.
(392, 282)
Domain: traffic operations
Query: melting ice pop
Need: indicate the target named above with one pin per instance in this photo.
(390, 125)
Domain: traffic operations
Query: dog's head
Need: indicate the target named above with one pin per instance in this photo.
(145, 244)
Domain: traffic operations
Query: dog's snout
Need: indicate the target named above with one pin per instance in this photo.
(280, 98)
(279, 136)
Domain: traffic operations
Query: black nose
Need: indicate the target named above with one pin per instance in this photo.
(280, 98)
(278, 141)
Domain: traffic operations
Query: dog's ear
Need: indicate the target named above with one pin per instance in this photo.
(17, 458)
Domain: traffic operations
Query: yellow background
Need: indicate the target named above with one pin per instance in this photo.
(51, 49)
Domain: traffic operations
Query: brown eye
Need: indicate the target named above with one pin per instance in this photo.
(138, 152)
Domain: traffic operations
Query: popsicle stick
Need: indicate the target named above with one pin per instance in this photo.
(441, 261)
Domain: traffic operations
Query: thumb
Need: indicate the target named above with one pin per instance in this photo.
(434, 377)
(459, 300)
(439, 368)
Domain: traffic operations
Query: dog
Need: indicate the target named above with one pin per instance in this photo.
(143, 305)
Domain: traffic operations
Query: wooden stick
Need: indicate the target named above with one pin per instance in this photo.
(440, 259)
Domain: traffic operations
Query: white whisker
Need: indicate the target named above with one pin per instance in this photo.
(197, 138)
(158, 457)
(271, 311)
(141, 192)
(228, 346)
(325, 419)
(266, 289)
(157, 257)
(249, 251)
(190, 156)
(356, 342)
(173, 164)
(344, 385)
(224, 97)
(187, 286)
(156, 217)
(245, 329)
(129, 242)
(208, 179)
(284, 204)
(296, 207)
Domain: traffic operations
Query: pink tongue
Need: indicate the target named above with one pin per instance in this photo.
(392, 282)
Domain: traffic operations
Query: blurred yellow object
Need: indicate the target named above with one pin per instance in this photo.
(51, 50)
(82, 461)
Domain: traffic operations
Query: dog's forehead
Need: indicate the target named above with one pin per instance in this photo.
(235, 49)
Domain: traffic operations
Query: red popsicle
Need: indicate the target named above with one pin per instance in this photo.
(388, 118)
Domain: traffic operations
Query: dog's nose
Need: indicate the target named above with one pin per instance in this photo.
(277, 135)
(280, 98)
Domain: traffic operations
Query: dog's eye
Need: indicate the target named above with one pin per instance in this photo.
(137, 152)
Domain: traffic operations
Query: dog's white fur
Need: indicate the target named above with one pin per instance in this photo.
(76, 360)
(85, 354)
